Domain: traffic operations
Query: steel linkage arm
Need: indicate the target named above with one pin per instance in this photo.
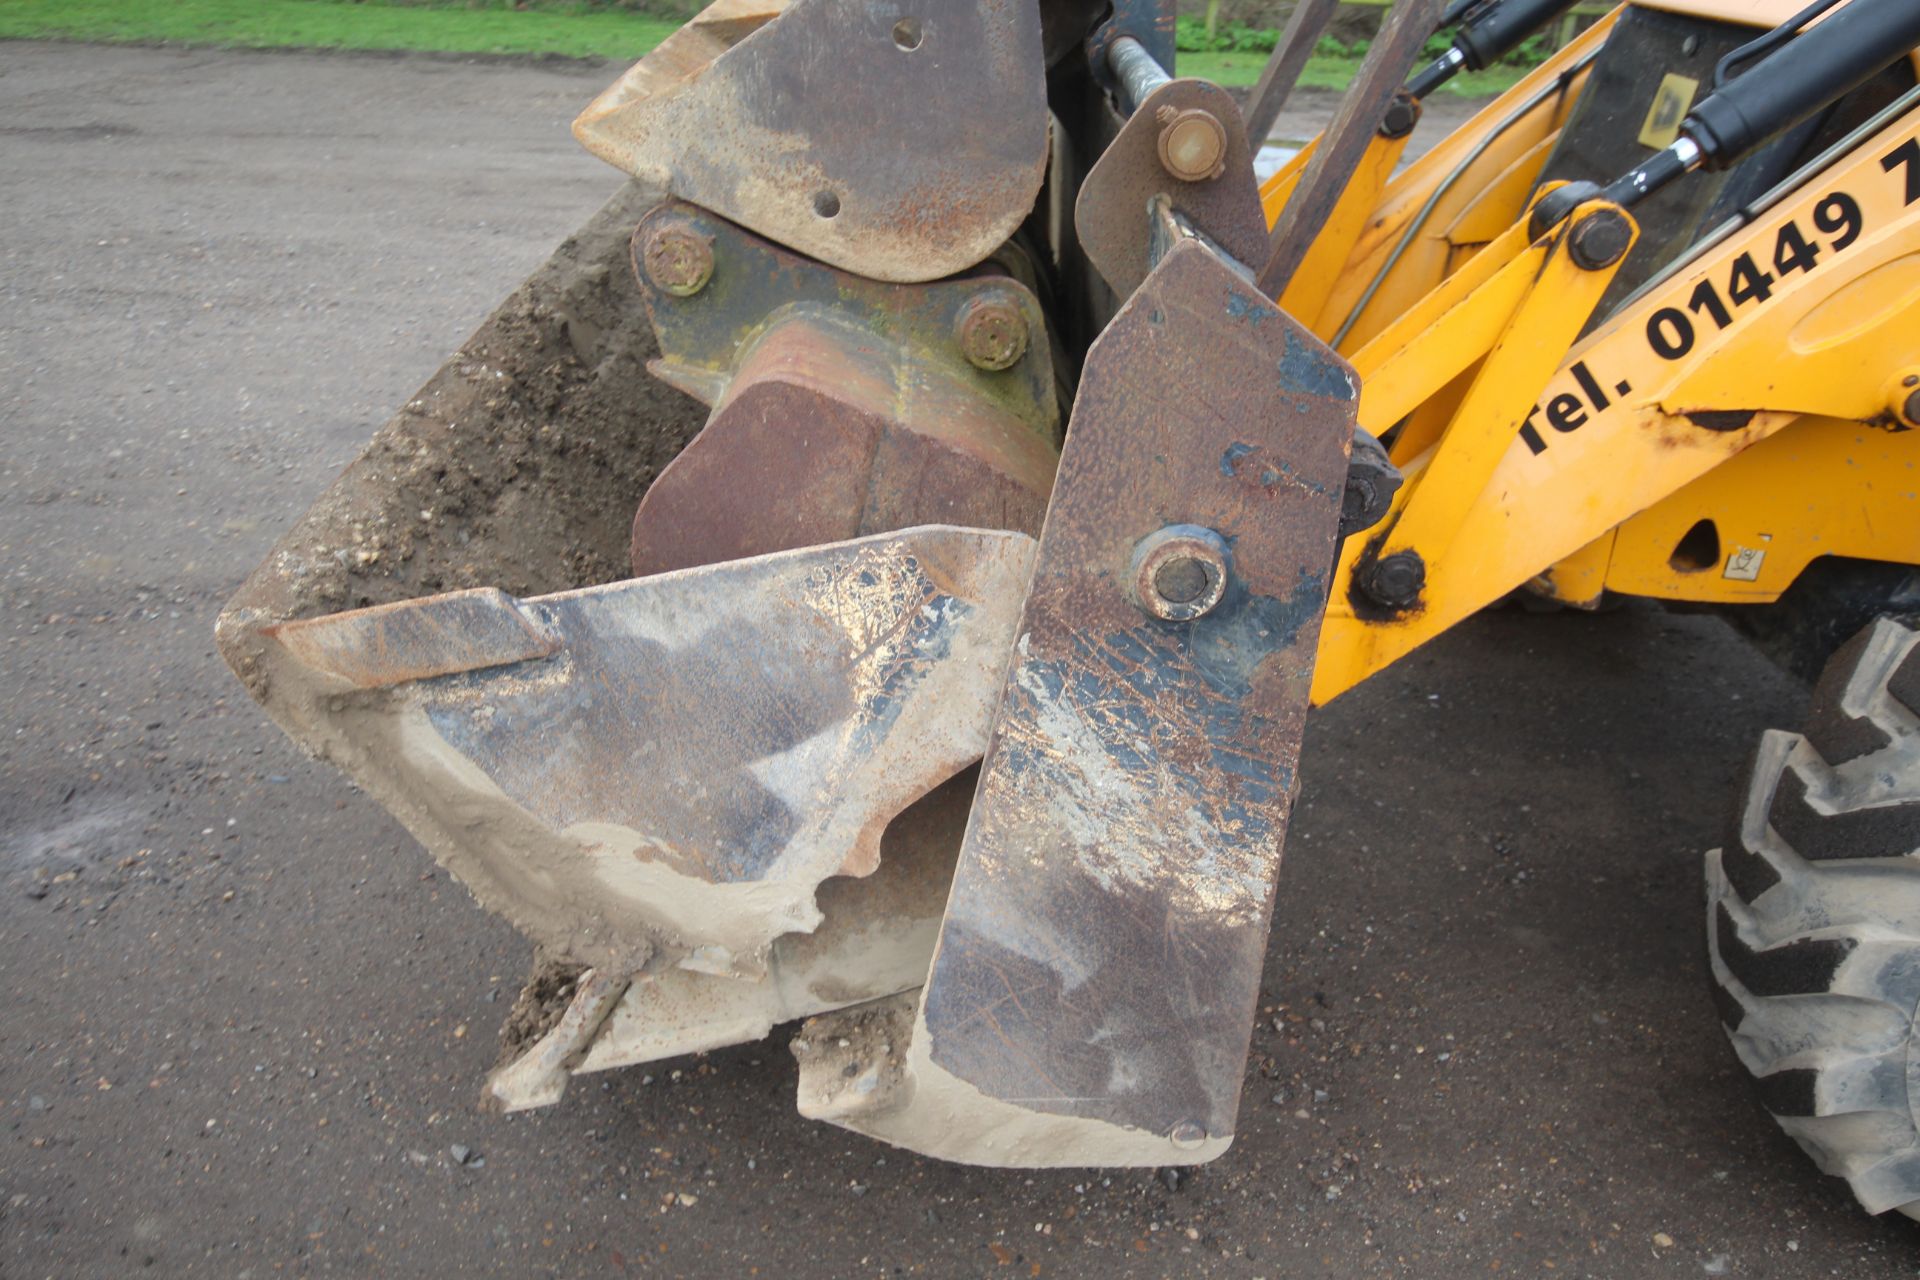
(1573, 271)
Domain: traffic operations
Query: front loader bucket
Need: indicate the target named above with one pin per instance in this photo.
(730, 789)
(633, 772)
(695, 700)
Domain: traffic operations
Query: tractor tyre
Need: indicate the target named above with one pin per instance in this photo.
(1813, 921)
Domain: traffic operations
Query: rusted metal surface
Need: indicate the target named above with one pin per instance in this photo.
(842, 406)
(543, 478)
(699, 751)
(993, 330)
(1111, 214)
(902, 146)
(1093, 991)
(755, 283)
(1180, 572)
(678, 260)
(1368, 99)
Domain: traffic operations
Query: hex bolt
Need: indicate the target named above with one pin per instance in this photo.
(1396, 580)
(1600, 239)
(992, 330)
(1193, 144)
(1179, 573)
(678, 260)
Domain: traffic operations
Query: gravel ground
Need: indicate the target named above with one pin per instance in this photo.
(247, 1021)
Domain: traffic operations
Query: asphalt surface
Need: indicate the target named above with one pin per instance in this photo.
(246, 1020)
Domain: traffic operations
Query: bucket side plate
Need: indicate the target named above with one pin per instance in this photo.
(1092, 994)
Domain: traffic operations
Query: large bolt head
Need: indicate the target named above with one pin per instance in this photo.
(678, 260)
(1396, 580)
(1600, 239)
(1179, 573)
(1402, 114)
(992, 331)
(1193, 146)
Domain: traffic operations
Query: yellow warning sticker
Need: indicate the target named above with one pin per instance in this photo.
(1670, 103)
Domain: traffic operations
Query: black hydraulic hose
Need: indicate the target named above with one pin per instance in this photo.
(1723, 69)
(1489, 36)
(1460, 11)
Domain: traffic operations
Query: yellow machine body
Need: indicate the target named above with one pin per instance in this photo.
(1745, 412)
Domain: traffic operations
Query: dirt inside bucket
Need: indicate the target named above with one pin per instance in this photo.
(518, 465)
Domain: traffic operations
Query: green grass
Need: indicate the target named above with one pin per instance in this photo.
(1240, 70)
(460, 26)
(336, 24)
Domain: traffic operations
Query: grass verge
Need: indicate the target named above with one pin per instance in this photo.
(546, 26)
(1240, 70)
(335, 24)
